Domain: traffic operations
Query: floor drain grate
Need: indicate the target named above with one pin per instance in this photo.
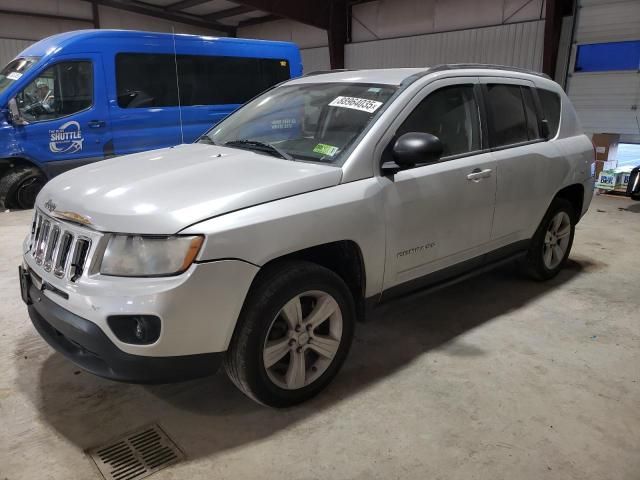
(136, 455)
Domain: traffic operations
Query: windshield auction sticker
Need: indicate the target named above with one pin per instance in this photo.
(324, 149)
(14, 76)
(355, 103)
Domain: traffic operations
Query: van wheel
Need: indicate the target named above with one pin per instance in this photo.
(293, 335)
(20, 186)
(552, 241)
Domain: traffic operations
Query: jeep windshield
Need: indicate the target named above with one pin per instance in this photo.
(311, 122)
(14, 70)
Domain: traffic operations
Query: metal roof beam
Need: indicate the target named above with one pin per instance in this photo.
(184, 4)
(158, 12)
(229, 12)
(314, 13)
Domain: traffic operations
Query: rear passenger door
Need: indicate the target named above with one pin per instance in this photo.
(526, 164)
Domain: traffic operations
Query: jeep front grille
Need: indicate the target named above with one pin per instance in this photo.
(58, 248)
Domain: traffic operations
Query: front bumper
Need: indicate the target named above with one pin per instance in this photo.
(85, 344)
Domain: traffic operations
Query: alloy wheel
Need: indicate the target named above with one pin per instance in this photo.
(302, 340)
(556, 240)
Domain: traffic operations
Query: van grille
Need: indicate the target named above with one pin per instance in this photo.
(57, 248)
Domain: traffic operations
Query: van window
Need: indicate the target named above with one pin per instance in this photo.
(145, 80)
(451, 114)
(551, 109)
(61, 90)
(14, 70)
(507, 114)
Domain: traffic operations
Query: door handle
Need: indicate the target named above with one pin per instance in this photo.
(476, 174)
(96, 123)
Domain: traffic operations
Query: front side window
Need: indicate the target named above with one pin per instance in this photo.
(507, 114)
(14, 70)
(314, 122)
(451, 114)
(62, 89)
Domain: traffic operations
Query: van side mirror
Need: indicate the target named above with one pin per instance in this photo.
(413, 148)
(14, 113)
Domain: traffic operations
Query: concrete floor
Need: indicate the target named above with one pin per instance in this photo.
(498, 377)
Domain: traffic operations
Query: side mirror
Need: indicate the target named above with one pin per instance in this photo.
(14, 113)
(413, 148)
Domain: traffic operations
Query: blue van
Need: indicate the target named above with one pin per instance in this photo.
(83, 96)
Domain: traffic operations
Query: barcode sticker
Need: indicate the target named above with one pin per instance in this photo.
(355, 103)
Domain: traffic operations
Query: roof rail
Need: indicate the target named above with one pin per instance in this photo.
(454, 66)
(320, 72)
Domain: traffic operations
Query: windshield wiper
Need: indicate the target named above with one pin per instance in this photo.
(261, 146)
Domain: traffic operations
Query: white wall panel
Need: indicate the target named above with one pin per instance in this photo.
(286, 30)
(608, 21)
(10, 47)
(314, 59)
(517, 45)
(606, 102)
(400, 18)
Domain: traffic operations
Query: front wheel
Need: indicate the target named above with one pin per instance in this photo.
(293, 335)
(552, 241)
(20, 186)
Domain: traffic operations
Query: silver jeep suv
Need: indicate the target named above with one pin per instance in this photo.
(260, 245)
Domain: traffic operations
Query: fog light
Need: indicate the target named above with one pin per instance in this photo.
(135, 329)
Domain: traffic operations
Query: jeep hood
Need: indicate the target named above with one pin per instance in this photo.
(164, 191)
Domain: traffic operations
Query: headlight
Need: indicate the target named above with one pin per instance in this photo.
(140, 256)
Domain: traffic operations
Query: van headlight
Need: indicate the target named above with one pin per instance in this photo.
(149, 256)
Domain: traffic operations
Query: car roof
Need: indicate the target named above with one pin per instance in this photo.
(399, 76)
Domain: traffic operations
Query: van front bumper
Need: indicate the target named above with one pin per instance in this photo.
(85, 344)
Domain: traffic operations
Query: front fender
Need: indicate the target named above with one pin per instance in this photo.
(259, 234)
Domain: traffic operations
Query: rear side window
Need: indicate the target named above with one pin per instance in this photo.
(507, 114)
(149, 80)
(451, 114)
(550, 109)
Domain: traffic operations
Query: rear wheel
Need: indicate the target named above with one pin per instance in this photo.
(293, 335)
(19, 187)
(552, 241)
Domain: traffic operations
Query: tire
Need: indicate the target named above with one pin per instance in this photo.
(544, 248)
(19, 187)
(264, 321)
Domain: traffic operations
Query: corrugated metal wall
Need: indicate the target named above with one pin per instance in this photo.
(314, 59)
(607, 102)
(10, 47)
(517, 44)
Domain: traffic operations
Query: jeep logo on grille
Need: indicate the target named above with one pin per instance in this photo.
(50, 205)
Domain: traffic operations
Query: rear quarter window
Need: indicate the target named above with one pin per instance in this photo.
(551, 109)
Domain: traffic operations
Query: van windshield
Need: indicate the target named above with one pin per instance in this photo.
(14, 70)
(314, 122)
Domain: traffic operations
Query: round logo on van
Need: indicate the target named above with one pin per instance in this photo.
(66, 139)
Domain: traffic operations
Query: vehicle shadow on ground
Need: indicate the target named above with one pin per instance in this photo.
(210, 415)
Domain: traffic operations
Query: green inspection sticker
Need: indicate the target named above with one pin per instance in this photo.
(325, 149)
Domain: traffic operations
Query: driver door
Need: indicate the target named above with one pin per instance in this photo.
(66, 108)
(439, 215)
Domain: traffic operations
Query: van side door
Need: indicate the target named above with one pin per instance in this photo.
(439, 215)
(144, 102)
(66, 107)
(529, 169)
